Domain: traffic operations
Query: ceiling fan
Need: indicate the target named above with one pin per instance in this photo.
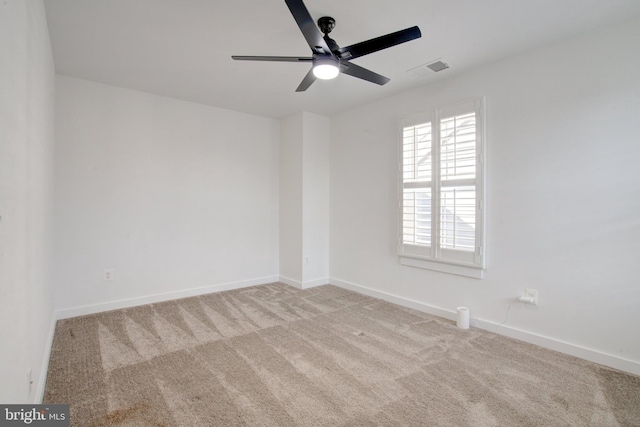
(328, 59)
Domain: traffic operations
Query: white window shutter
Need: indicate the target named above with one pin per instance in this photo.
(442, 186)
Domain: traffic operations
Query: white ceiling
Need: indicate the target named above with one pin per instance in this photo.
(182, 48)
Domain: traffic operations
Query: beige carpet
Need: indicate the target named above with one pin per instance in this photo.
(274, 355)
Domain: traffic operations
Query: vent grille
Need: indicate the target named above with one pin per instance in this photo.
(438, 66)
(425, 70)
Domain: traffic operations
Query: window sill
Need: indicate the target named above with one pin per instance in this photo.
(443, 267)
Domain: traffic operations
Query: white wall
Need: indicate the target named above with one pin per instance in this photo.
(304, 200)
(563, 196)
(315, 199)
(177, 198)
(26, 161)
(291, 132)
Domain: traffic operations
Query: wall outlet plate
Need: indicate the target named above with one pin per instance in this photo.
(532, 295)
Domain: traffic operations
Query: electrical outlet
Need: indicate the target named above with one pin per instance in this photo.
(530, 296)
(108, 275)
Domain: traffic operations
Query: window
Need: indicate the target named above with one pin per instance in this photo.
(441, 206)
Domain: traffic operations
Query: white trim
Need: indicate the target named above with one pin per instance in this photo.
(167, 296)
(291, 282)
(315, 282)
(405, 302)
(575, 350)
(44, 369)
(459, 108)
(306, 284)
(443, 266)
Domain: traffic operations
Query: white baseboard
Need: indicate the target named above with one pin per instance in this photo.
(290, 282)
(306, 284)
(44, 369)
(149, 299)
(316, 282)
(591, 355)
(405, 302)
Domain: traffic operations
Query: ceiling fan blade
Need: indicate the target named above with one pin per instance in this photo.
(307, 81)
(272, 58)
(308, 26)
(362, 73)
(364, 48)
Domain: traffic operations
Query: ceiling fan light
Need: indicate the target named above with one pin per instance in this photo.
(326, 68)
(325, 71)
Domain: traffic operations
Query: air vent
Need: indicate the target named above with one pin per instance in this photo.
(438, 66)
(425, 70)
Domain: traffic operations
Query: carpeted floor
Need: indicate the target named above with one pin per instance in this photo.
(274, 355)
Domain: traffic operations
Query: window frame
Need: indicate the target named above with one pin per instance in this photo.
(433, 256)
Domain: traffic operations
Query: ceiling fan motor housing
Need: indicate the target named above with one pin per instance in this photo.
(326, 24)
